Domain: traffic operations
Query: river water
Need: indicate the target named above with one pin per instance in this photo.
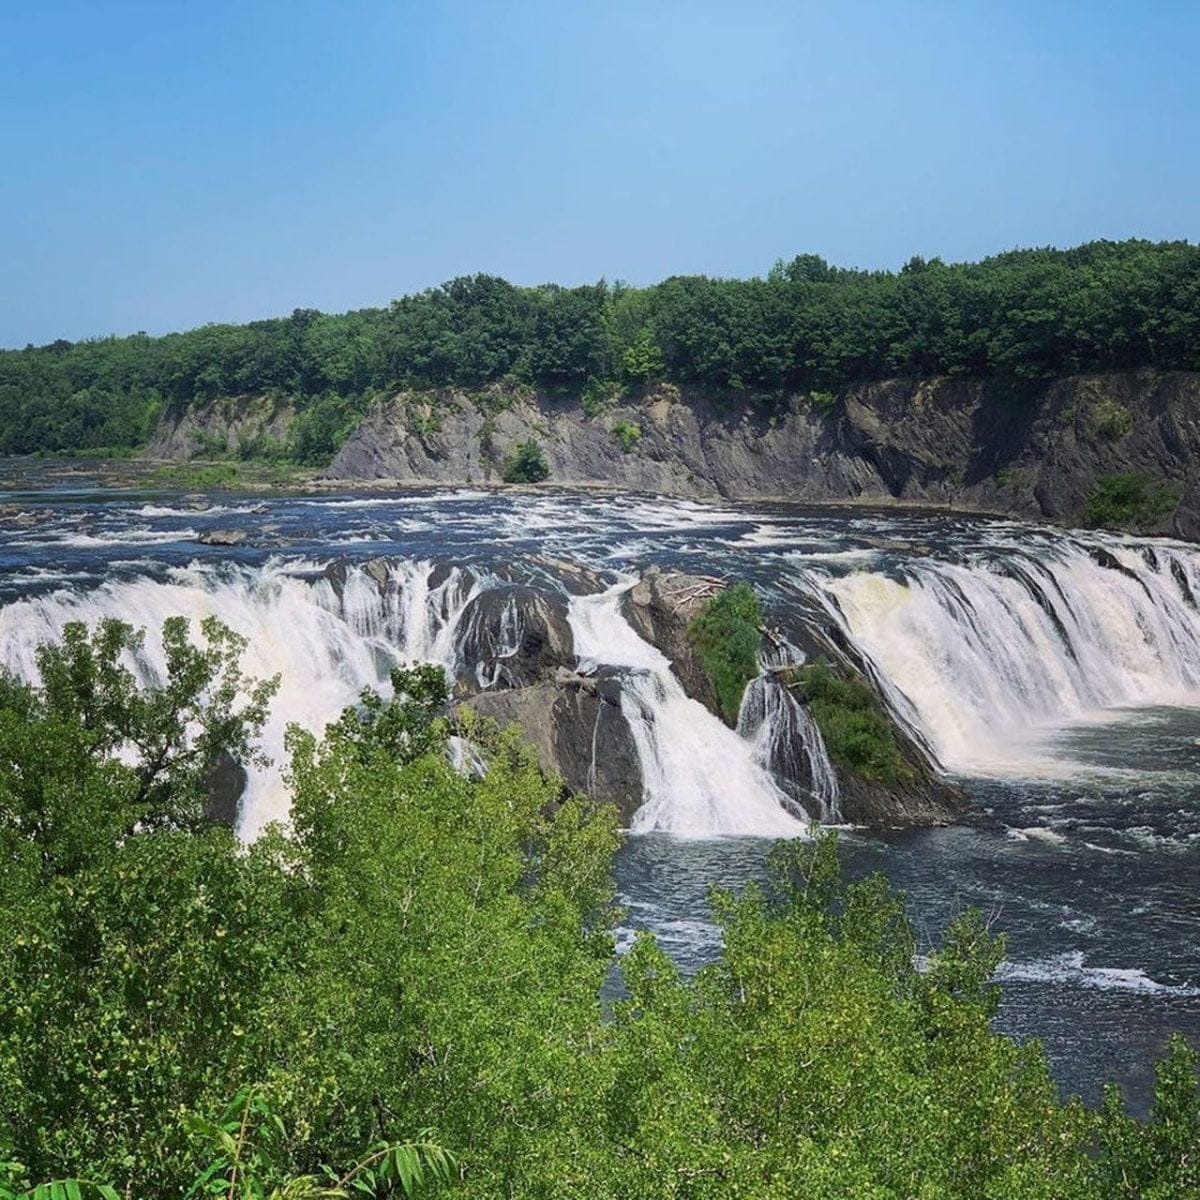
(1054, 675)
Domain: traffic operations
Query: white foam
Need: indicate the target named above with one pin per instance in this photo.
(989, 664)
(1070, 968)
(700, 778)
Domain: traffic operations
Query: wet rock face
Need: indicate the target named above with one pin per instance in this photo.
(579, 731)
(659, 608)
(225, 783)
(511, 637)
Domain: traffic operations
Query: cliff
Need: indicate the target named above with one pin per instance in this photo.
(241, 426)
(1032, 450)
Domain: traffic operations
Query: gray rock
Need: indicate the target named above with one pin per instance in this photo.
(659, 608)
(512, 636)
(1030, 449)
(223, 537)
(579, 732)
(222, 426)
(225, 783)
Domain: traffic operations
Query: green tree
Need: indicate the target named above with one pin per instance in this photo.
(526, 464)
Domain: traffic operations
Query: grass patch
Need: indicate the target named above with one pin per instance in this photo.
(1110, 419)
(1130, 499)
(726, 633)
(222, 476)
(857, 732)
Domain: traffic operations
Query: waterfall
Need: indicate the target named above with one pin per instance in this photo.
(700, 778)
(785, 740)
(326, 643)
(987, 657)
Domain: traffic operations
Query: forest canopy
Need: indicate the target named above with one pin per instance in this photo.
(807, 326)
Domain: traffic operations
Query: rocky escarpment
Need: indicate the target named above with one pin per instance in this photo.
(245, 426)
(1029, 449)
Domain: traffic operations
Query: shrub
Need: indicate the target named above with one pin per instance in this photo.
(1130, 499)
(628, 434)
(599, 395)
(1110, 419)
(856, 730)
(726, 633)
(526, 464)
(642, 359)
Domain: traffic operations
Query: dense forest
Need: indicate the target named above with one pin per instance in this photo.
(807, 327)
(404, 993)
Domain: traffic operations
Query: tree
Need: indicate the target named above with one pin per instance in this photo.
(526, 464)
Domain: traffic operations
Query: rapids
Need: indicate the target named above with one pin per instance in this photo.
(1055, 675)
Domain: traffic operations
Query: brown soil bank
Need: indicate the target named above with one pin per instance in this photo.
(1119, 448)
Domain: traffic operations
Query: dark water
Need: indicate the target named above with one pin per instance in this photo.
(1091, 870)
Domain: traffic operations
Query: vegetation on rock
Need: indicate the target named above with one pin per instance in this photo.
(726, 633)
(1130, 500)
(526, 464)
(628, 435)
(853, 725)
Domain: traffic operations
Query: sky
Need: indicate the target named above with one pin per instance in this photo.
(165, 164)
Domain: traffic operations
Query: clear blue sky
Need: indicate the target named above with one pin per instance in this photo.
(164, 164)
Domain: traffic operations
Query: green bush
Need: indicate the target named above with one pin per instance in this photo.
(628, 434)
(1130, 499)
(526, 464)
(726, 634)
(855, 729)
(1110, 419)
(599, 395)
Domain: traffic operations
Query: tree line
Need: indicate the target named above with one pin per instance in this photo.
(806, 327)
(407, 984)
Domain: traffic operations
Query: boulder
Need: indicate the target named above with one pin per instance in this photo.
(512, 636)
(579, 731)
(659, 608)
(223, 537)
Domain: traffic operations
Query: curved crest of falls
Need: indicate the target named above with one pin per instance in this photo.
(990, 654)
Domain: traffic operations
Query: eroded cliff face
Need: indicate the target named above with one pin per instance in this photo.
(1032, 450)
(222, 427)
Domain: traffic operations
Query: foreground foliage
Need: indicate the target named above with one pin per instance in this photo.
(807, 328)
(426, 951)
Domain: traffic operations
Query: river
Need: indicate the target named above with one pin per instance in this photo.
(1054, 675)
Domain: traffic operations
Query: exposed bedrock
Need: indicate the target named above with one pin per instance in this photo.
(512, 636)
(1027, 448)
(579, 731)
(660, 607)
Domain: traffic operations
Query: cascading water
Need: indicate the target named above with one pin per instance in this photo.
(990, 656)
(1007, 648)
(700, 778)
(326, 643)
(785, 741)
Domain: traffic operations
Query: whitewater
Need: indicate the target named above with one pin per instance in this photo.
(1055, 675)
